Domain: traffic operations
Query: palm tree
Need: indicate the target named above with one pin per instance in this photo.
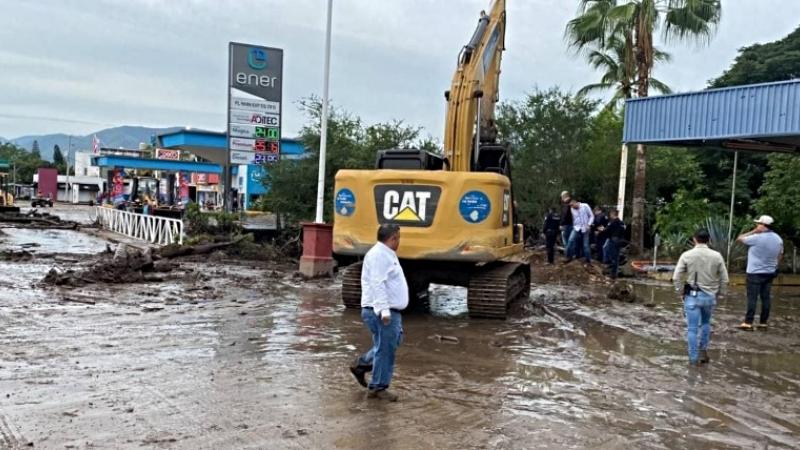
(601, 22)
(618, 73)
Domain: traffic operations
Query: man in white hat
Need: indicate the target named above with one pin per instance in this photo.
(763, 256)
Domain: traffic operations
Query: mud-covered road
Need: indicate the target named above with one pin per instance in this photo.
(245, 356)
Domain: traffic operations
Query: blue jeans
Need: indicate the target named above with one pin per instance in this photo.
(758, 284)
(698, 317)
(572, 247)
(610, 254)
(385, 340)
(565, 234)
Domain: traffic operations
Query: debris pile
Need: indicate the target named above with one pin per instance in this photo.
(576, 272)
(35, 219)
(15, 255)
(129, 265)
(622, 291)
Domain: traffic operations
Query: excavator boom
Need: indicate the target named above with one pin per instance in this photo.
(474, 91)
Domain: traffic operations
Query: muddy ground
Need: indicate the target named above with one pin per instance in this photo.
(247, 356)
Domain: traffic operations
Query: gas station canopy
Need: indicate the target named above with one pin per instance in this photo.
(131, 162)
(758, 117)
(213, 146)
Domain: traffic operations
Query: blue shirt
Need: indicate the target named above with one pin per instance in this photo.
(765, 248)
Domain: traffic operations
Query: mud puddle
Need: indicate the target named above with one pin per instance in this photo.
(234, 356)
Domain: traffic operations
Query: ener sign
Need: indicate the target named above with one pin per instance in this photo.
(255, 92)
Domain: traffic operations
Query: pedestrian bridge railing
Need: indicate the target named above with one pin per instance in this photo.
(152, 229)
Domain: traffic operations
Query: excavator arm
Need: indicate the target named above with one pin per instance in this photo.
(472, 97)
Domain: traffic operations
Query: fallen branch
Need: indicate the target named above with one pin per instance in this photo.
(175, 251)
(549, 312)
(78, 300)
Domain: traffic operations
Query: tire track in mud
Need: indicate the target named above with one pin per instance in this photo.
(9, 438)
(747, 424)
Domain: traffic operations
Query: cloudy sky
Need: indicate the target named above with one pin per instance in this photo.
(77, 66)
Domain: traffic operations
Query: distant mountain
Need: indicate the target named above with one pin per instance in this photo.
(124, 136)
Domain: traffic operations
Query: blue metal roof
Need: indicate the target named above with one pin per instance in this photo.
(760, 114)
(130, 162)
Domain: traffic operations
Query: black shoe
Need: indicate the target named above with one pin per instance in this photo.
(704, 359)
(360, 372)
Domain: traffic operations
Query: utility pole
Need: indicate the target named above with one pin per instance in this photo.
(66, 187)
(317, 259)
(323, 144)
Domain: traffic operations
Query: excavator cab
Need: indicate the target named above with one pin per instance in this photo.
(409, 159)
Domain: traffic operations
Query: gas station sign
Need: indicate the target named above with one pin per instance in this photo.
(254, 103)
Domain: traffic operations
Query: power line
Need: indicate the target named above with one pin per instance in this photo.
(54, 119)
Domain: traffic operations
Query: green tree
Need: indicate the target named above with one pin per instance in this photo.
(635, 22)
(562, 142)
(58, 159)
(761, 63)
(35, 149)
(549, 133)
(25, 163)
(618, 68)
(781, 193)
(351, 144)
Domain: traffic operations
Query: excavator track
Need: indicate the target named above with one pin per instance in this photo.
(491, 289)
(351, 286)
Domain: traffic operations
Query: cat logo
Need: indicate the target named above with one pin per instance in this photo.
(407, 205)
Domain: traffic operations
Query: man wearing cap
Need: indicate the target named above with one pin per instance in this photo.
(764, 254)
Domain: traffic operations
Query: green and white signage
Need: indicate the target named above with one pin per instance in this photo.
(254, 103)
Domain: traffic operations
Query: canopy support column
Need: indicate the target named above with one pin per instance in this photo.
(733, 198)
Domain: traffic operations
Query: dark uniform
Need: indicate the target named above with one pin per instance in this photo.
(615, 237)
(600, 221)
(550, 228)
(565, 222)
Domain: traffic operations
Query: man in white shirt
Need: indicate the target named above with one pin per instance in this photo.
(582, 220)
(384, 293)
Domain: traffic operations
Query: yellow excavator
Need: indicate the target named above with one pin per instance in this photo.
(456, 210)
(6, 197)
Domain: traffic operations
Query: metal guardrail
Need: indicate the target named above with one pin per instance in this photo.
(153, 229)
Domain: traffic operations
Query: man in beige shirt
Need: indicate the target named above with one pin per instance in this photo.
(703, 269)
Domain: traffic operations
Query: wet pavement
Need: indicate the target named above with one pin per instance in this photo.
(242, 356)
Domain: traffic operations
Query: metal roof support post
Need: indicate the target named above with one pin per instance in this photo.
(733, 198)
(623, 173)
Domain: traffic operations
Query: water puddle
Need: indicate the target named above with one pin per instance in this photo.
(51, 241)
